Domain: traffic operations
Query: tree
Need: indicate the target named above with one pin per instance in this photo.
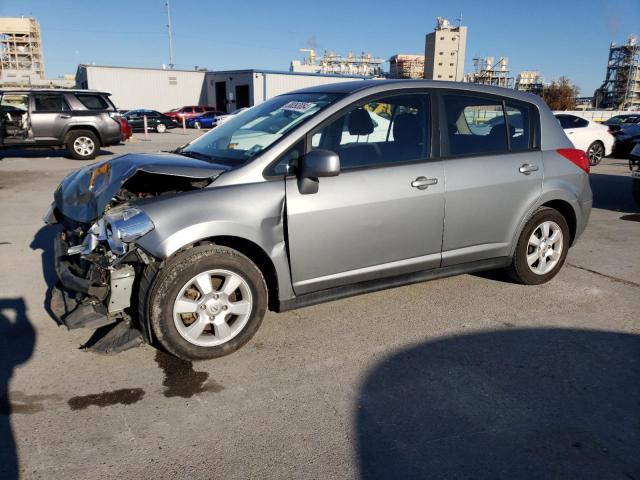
(561, 94)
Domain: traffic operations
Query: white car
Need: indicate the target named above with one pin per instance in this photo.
(592, 137)
(220, 119)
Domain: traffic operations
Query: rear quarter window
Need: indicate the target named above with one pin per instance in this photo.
(93, 102)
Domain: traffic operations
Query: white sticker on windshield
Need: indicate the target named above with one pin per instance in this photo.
(298, 106)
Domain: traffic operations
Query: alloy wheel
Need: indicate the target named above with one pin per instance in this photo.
(84, 146)
(544, 248)
(212, 308)
(595, 153)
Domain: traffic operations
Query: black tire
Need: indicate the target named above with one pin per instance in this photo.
(519, 269)
(164, 286)
(74, 152)
(594, 159)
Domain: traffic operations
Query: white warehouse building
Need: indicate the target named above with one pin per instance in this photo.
(151, 88)
(162, 90)
(234, 89)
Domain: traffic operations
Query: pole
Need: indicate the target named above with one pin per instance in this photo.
(184, 126)
(146, 129)
(169, 29)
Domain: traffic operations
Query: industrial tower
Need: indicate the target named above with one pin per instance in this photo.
(621, 87)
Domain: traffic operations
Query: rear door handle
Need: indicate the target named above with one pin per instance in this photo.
(422, 183)
(65, 116)
(527, 168)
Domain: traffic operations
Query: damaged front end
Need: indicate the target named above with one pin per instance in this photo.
(97, 260)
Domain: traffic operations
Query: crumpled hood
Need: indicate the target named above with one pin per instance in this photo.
(84, 193)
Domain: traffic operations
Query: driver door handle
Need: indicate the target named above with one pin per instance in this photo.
(64, 115)
(527, 168)
(422, 183)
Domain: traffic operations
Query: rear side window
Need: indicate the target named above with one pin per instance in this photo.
(475, 125)
(198, 109)
(571, 121)
(478, 125)
(519, 118)
(92, 102)
(49, 102)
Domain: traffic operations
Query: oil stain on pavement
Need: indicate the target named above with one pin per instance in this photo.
(123, 396)
(181, 380)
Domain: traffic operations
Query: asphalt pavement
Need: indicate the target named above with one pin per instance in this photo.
(465, 377)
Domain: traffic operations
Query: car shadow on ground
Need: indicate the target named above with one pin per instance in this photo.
(42, 153)
(613, 192)
(43, 241)
(513, 404)
(17, 341)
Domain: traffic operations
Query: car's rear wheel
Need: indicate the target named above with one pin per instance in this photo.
(541, 249)
(206, 302)
(82, 144)
(197, 125)
(161, 128)
(595, 152)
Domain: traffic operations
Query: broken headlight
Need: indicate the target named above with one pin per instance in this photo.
(122, 226)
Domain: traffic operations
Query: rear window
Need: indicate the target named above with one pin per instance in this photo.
(92, 102)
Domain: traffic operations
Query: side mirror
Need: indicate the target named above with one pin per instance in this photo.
(315, 164)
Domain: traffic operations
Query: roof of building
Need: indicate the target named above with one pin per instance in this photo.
(85, 65)
(283, 72)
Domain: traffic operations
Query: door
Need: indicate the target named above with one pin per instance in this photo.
(493, 175)
(242, 96)
(135, 120)
(577, 131)
(221, 96)
(383, 214)
(16, 121)
(50, 115)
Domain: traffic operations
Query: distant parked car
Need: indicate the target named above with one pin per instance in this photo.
(593, 138)
(155, 120)
(624, 118)
(220, 119)
(634, 166)
(188, 112)
(125, 129)
(206, 120)
(626, 137)
(80, 120)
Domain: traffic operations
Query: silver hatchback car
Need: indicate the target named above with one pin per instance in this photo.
(312, 196)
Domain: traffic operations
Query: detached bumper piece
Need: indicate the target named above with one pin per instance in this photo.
(79, 302)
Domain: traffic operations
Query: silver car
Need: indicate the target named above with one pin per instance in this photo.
(312, 196)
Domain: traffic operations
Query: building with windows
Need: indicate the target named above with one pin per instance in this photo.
(444, 52)
(529, 81)
(406, 66)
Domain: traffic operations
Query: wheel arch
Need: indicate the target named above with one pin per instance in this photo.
(569, 214)
(253, 252)
(90, 128)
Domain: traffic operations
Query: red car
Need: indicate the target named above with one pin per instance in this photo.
(187, 112)
(125, 129)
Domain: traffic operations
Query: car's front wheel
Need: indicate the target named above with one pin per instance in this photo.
(82, 144)
(595, 152)
(197, 125)
(161, 128)
(541, 249)
(206, 302)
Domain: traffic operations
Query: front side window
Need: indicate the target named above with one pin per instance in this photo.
(247, 135)
(388, 130)
(49, 102)
(92, 102)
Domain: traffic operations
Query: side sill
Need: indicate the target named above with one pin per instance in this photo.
(369, 286)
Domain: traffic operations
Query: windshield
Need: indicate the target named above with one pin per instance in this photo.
(245, 136)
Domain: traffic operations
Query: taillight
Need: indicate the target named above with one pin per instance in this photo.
(578, 157)
(116, 116)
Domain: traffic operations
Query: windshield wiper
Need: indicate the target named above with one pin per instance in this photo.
(196, 155)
